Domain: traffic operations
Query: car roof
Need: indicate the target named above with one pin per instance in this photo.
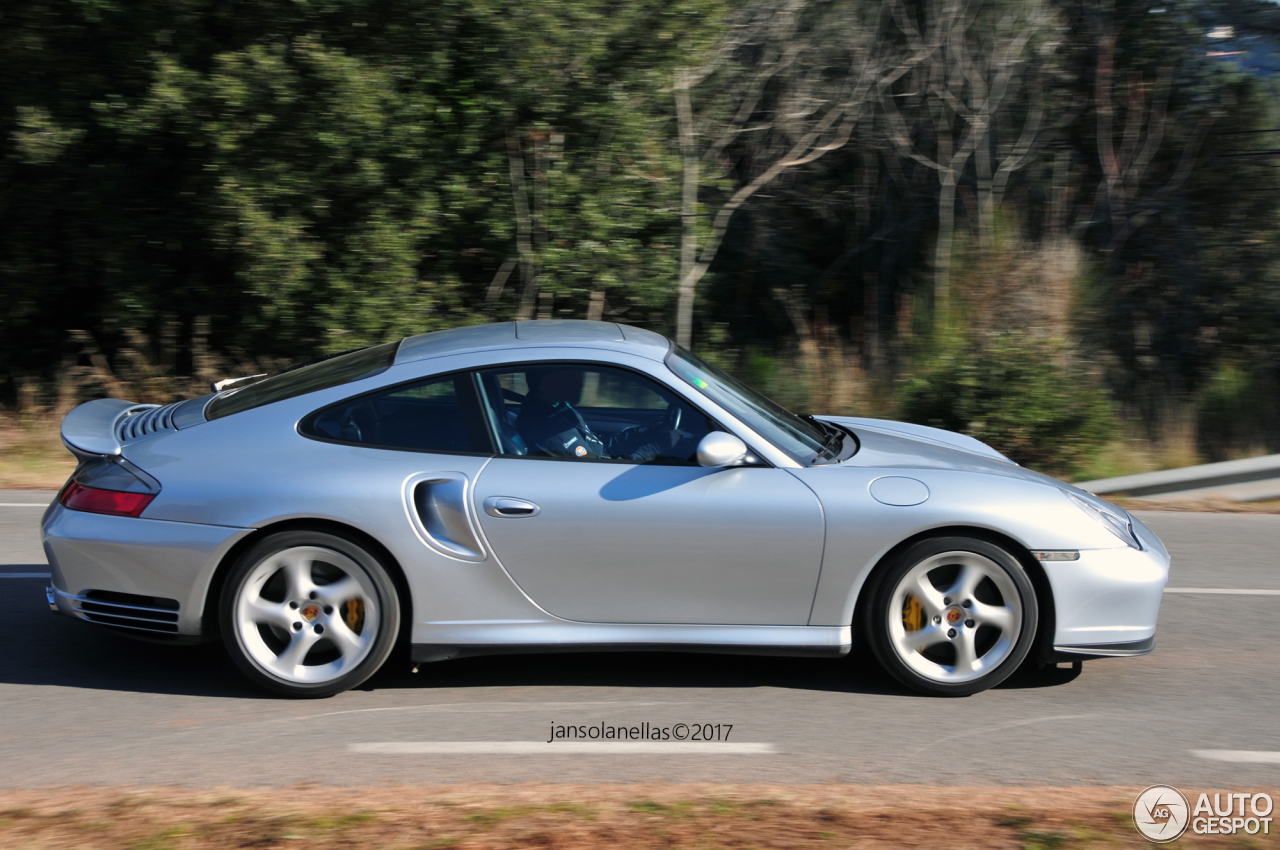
(544, 333)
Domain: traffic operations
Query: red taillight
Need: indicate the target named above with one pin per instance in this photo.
(81, 498)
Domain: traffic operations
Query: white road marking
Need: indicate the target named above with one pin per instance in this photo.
(1001, 727)
(25, 575)
(1241, 756)
(529, 748)
(23, 505)
(1223, 591)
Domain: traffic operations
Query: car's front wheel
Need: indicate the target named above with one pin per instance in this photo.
(952, 616)
(309, 614)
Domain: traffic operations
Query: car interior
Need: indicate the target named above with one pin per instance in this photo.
(610, 401)
(436, 415)
(428, 417)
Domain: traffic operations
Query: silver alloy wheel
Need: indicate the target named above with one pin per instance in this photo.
(307, 604)
(943, 617)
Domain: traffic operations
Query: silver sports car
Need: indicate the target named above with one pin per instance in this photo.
(557, 485)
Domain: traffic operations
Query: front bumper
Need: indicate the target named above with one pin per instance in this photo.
(143, 576)
(1106, 603)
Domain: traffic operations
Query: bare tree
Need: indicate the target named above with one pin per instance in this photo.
(974, 66)
(795, 87)
(1125, 194)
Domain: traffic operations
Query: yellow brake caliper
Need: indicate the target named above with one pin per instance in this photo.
(912, 614)
(354, 614)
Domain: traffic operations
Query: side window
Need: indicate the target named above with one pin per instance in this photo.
(437, 414)
(588, 412)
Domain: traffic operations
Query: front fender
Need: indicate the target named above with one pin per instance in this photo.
(860, 531)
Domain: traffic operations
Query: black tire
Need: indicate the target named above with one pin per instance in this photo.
(882, 608)
(377, 586)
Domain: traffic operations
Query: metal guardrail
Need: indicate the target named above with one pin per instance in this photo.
(1249, 480)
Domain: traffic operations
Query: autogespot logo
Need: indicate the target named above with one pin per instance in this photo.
(1161, 813)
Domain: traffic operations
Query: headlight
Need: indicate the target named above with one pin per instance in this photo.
(1117, 524)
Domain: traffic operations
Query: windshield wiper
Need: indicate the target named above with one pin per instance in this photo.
(835, 437)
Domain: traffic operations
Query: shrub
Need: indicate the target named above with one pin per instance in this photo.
(1023, 397)
(1238, 414)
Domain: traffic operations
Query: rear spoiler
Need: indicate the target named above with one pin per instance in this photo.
(97, 428)
(90, 430)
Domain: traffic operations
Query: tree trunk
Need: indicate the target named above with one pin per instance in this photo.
(524, 227)
(942, 256)
(688, 214)
(595, 308)
(982, 165)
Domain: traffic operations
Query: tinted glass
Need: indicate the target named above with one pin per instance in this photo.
(798, 438)
(434, 415)
(330, 372)
(588, 412)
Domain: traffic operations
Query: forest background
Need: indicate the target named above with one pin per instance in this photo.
(1050, 224)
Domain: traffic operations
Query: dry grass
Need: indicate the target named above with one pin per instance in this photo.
(31, 451)
(31, 454)
(572, 817)
(1175, 447)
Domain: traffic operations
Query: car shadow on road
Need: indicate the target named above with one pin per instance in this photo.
(858, 673)
(1048, 677)
(853, 674)
(43, 649)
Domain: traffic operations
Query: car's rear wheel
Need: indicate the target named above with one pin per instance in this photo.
(309, 614)
(952, 616)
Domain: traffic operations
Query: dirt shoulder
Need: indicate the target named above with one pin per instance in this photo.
(566, 816)
(1220, 506)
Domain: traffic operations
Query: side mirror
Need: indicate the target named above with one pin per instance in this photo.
(720, 448)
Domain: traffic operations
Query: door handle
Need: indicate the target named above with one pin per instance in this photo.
(505, 506)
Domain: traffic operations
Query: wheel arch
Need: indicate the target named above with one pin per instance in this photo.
(1041, 647)
(209, 612)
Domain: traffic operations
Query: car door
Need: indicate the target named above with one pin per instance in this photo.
(619, 539)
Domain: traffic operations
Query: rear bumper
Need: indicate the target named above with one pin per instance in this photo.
(146, 577)
(1106, 603)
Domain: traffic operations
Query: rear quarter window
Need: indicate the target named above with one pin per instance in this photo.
(434, 415)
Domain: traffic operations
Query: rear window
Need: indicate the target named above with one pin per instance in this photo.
(330, 372)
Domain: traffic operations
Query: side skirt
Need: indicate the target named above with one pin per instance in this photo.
(444, 641)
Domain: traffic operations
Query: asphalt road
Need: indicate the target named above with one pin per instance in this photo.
(80, 705)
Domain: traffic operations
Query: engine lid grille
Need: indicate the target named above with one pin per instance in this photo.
(145, 420)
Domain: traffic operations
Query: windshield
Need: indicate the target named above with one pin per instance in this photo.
(801, 439)
(307, 378)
